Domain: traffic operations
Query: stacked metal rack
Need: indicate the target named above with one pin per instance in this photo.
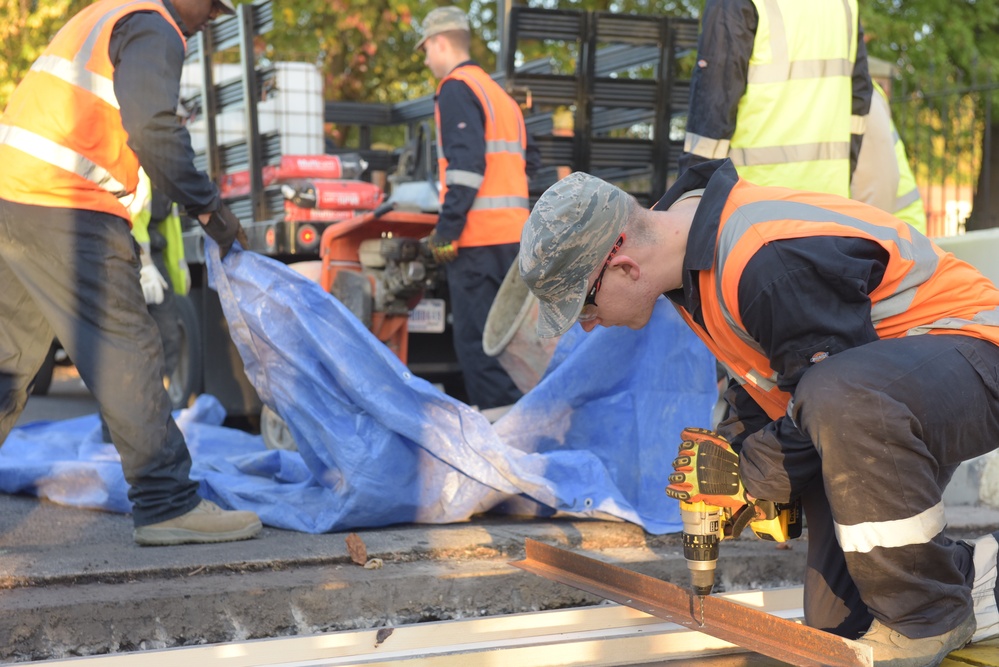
(624, 92)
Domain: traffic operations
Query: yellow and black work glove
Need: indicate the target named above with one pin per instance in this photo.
(442, 249)
(706, 470)
(224, 227)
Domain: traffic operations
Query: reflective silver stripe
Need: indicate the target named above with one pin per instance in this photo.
(59, 156)
(490, 203)
(706, 147)
(909, 197)
(499, 146)
(75, 72)
(753, 378)
(779, 52)
(781, 68)
(752, 157)
(764, 383)
(858, 124)
(919, 529)
(777, 72)
(983, 595)
(988, 318)
(919, 249)
(492, 113)
(467, 178)
(849, 25)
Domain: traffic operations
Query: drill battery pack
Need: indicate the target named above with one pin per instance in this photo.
(781, 521)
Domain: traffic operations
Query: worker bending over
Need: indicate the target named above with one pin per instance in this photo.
(100, 100)
(867, 369)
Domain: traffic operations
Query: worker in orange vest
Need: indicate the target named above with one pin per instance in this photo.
(865, 361)
(483, 162)
(99, 101)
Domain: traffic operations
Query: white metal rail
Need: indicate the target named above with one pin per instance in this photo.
(592, 636)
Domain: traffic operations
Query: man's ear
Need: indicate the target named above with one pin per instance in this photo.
(628, 265)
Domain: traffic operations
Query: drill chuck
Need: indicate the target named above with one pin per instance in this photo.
(702, 532)
(701, 553)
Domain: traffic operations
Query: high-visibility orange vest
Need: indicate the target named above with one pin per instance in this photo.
(62, 143)
(924, 289)
(502, 204)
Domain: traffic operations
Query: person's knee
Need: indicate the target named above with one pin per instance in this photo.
(827, 396)
(824, 389)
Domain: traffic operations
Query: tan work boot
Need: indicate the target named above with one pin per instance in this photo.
(205, 523)
(892, 649)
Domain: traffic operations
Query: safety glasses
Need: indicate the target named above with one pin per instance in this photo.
(591, 298)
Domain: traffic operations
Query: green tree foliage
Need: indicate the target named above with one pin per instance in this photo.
(947, 69)
(365, 48)
(26, 26)
(935, 43)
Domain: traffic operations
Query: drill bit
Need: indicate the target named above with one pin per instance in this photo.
(701, 599)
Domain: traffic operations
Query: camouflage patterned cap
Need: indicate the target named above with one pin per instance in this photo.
(570, 231)
(443, 19)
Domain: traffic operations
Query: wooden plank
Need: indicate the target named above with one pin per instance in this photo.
(983, 654)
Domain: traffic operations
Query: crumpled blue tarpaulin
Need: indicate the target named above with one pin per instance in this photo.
(379, 446)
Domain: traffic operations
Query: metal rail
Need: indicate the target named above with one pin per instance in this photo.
(751, 629)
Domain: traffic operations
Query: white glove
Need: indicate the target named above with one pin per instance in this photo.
(150, 277)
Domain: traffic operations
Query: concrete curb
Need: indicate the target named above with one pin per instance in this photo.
(74, 583)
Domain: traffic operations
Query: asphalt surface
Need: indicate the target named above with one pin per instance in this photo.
(72, 582)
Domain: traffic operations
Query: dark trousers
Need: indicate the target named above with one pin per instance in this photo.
(890, 422)
(474, 278)
(74, 274)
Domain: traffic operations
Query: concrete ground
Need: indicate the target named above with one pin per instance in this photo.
(72, 582)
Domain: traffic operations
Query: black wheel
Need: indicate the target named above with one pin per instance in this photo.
(185, 381)
(43, 378)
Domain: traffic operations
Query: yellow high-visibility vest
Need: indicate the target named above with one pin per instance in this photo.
(794, 121)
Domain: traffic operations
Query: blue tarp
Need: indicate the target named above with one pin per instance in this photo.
(379, 446)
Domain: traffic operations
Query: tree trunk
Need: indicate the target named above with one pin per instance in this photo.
(985, 207)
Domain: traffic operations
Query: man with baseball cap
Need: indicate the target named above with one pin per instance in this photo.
(484, 163)
(865, 362)
(96, 105)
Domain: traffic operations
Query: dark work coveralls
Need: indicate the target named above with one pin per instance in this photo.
(74, 274)
(875, 429)
(475, 276)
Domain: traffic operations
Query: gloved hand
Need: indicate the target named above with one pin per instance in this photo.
(443, 250)
(224, 228)
(150, 278)
(707, 470)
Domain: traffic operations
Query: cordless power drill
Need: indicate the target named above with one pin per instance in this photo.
(714, 505)
(705, 526)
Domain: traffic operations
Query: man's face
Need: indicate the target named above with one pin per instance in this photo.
(196, 14)
(620, 300)
(433, 56)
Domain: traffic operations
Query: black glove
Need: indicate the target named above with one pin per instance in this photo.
(443, 250)
(224, 228)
